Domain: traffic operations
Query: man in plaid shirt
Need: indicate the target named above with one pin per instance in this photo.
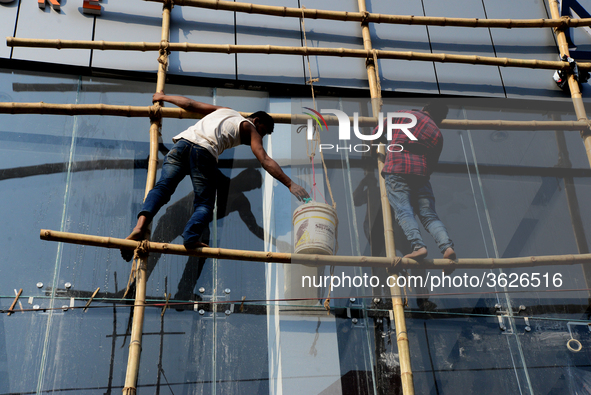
(407, 178)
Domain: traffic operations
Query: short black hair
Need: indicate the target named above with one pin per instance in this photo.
(265, 119)
(437, 110)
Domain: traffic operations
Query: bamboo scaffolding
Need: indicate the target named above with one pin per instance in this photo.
(378, 18)
(406, 376)
(315, 260)
(156, 113)
(135, 343)
(295, 119)
(286, 50)
(573, 84)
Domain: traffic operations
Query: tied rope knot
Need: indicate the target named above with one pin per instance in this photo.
(369, 57)
(586, 132)
(155, 112)
(395, 261)
(564, 23)
(364, 17)
(163, 53)
(142, 250)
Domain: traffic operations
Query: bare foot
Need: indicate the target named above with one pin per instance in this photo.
(449, 254)
(136, 234)
(140, 232)
(417, 254)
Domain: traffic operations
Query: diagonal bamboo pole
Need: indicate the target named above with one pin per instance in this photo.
(378, 18)
(286, 50)
(573, 84)
(397, 304)
(296, 119)
(135, 343)
(314, 260)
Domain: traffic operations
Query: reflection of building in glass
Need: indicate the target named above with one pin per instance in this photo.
(79, 163)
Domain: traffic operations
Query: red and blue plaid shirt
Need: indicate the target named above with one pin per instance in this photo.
(418, 157)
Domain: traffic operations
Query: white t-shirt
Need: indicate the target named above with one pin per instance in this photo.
(215, 132)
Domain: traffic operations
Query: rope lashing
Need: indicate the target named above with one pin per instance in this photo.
(155, 112)
(366, 15)
(143, 250)
(163, 53)
(563, 24)
(396, 260)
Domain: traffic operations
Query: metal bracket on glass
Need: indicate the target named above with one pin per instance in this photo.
(355, 316)
(502, 314)
(502, 325)
(209, 310)
(527, 325)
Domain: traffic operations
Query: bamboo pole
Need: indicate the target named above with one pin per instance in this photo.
(296, 119)
(585, 135)
(135, 343)
(18, 295)
(286, 50)
(397, 304)
(315, 260)
(573, 85)
(378, 18)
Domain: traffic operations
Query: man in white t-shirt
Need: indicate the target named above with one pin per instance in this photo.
(196, 153)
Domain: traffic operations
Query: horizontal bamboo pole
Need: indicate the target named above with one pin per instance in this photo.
(464, 124)
(92, 109)
(378, 18)
(295, 119)
(314, 260)
(284, 50)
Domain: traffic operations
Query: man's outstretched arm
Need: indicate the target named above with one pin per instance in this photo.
(256, 145)
(186, 104)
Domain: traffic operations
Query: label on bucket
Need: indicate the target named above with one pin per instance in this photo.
(313, 233)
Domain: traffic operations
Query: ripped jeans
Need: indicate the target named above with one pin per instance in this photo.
(186, 158)
(409, 194)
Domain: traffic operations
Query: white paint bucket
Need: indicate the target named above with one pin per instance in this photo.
(315, 225)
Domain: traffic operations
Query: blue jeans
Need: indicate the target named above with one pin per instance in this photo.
(186, 158)
(409, 194)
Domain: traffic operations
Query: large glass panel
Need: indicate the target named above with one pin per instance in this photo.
(34, 187)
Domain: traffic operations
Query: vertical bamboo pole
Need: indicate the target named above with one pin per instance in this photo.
(577, 98)
(135, 344)
(575, 91)
(397, 305)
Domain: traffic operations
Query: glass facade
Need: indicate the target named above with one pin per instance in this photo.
(247, 327)
(240, 327)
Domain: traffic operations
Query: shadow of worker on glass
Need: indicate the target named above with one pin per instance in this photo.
(230, 198)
